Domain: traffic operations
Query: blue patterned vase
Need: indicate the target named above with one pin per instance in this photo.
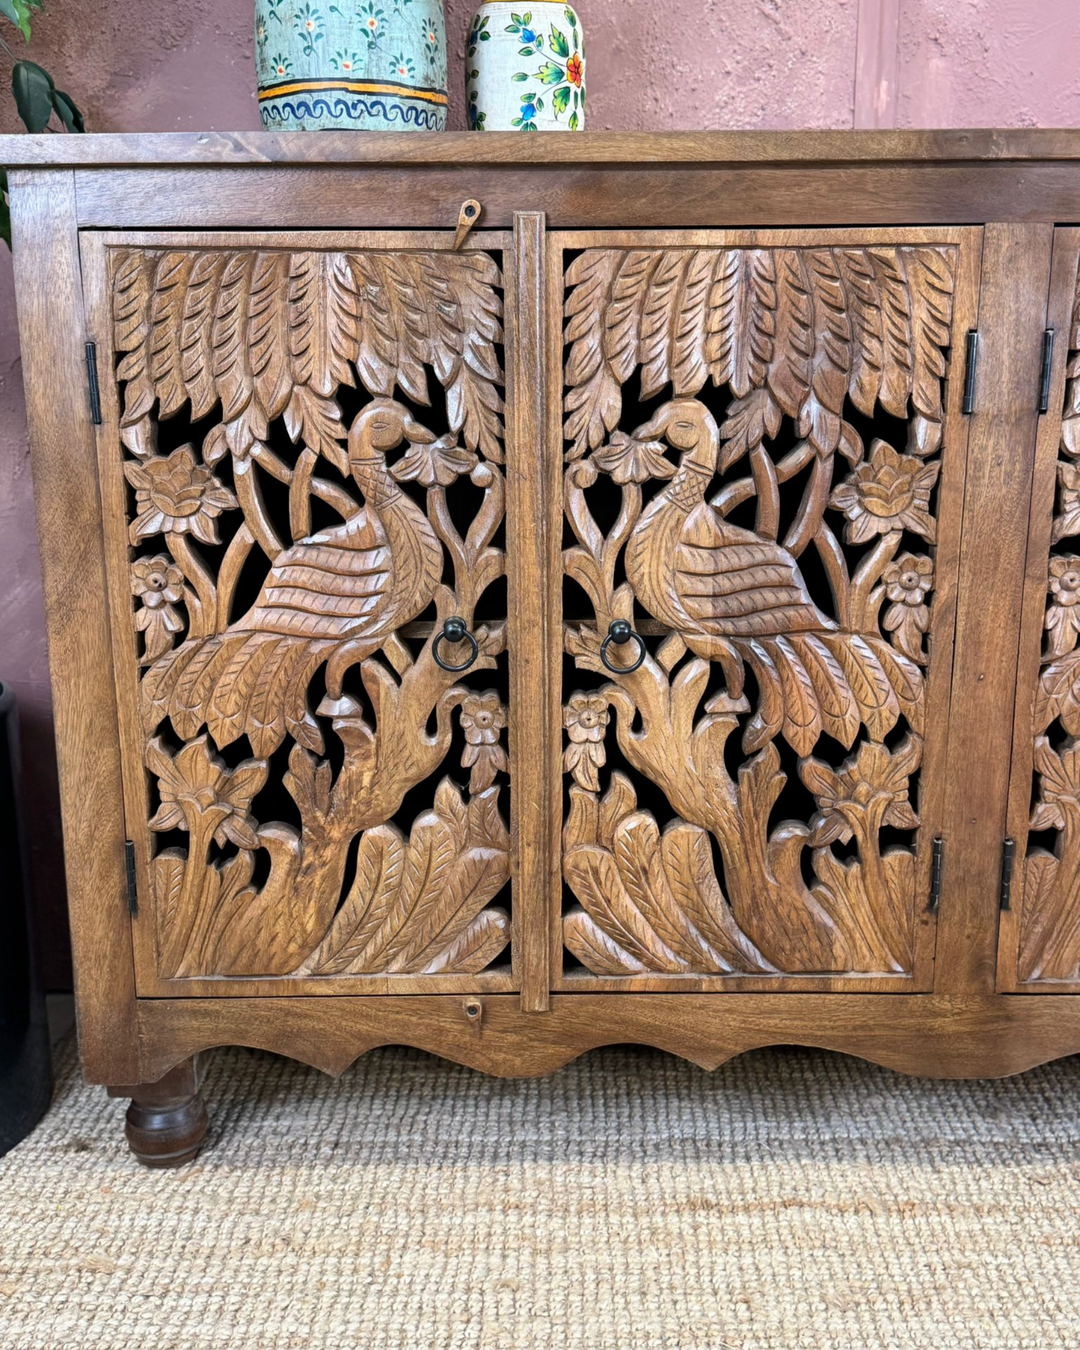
(368, 65)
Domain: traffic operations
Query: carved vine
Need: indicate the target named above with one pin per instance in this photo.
(257, 337)
(797, 336)
(1050, 915)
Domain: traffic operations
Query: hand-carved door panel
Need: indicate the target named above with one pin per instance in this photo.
(1039, 948)
(302, 481)
(764, 455)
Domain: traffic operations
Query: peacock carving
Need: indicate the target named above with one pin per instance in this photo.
(334, 596)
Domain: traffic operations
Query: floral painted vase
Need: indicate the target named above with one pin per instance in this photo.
(368, 65)
(525, 68)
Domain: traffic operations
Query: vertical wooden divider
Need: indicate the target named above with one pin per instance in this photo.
(997, 502)
(532, 553)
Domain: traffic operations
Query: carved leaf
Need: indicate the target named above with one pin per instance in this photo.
(741, 324)
(593, 400)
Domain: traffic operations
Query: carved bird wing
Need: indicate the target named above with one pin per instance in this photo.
(733, 583)
(332, 585)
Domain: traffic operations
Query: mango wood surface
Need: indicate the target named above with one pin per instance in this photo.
(326, 147)
(937, 1037)
(1039, 949)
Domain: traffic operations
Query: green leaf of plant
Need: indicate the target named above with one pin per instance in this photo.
(559, 44)
(573, 122)
(16, 12)
(33, 91)
(550, 73)
(67, 112)
(560, 100)
(525, 51)
(571, 17)
(515, 121)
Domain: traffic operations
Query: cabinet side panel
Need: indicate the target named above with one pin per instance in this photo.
(48, 291)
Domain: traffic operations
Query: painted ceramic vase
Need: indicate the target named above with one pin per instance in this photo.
(367, 65)
(525, 68)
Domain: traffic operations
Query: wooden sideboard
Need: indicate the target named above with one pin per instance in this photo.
(640, 605)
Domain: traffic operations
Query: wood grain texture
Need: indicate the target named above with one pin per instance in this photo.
(1040, 932)
(608, 196)
(533, 620)
(393, 148)
(997, 502)
(928, 1035)
(50, 302)
(808, 340)
(237, 339)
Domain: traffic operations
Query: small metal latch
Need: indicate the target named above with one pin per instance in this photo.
(1008, 857)
(969, 372)
(92, 381)
(129, 869)
(935, 877)
(467, 218)
(1044, 375)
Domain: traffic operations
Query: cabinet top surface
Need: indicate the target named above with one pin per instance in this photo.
(219, 148)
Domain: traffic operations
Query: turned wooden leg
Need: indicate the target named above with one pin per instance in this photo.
(166, 1121)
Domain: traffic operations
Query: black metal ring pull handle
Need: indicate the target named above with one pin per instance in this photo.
(454, 630)
(620, 633)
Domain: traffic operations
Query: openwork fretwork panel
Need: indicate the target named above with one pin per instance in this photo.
(753, 450)
(312, 443)
(1049, 938)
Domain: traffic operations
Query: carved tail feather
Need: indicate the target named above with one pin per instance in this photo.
(238, 683)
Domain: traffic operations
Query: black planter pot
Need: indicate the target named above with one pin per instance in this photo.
(25, 1066)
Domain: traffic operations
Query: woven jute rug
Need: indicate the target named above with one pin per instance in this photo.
(631, 1201)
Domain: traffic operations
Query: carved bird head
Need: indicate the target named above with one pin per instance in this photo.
(685, 424)
(380, 427)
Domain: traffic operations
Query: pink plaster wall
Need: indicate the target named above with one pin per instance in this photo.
(710, 64)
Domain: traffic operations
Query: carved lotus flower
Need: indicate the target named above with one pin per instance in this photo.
(585, 717)
(870, 789)
(435, 463)
(199, 793)
(632, 461)
(908, 580)
(483, 718)
(1063, 614)
(158, 584)
(889, 491)
(175, 495)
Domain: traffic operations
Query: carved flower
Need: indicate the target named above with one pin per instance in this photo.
(435, 463)
(585, 718)
(1059, 784)
(199, 792)
(632, 461)
(1067, 521)
(870, 789)
(175, 495)
(158, 584)
(483, 718)
(889, 491)
(1063, 615)
(907, 582)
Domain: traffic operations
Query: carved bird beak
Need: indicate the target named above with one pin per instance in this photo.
(653, 428)
(417, 433)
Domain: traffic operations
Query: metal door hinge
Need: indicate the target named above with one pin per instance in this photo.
(1044, 374)
(132, 883)
(970, 369)
(935, 877)
(1008, 857)
(92, 382)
